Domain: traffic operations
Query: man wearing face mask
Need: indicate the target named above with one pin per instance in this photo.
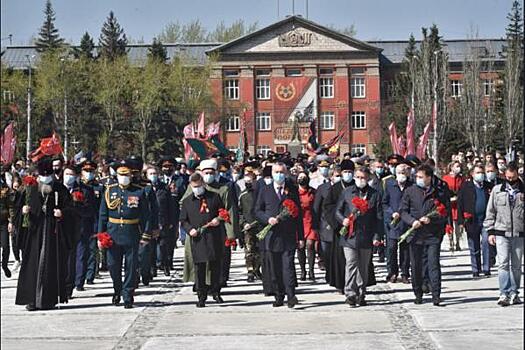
(42, 277)
(393, 192)
(504, 222)
(87, 209)
(472, 199)
(322, 176)
(80, 225)
(501, 163)
(337, 257)
(280, 244)
(125, 216)
(416, 203)
(208, 171)
(249, 226)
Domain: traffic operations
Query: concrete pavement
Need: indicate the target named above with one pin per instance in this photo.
(165, 317)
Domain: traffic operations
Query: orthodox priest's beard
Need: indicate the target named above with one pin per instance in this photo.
(45, 188)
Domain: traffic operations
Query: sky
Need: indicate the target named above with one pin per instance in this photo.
(373, 19)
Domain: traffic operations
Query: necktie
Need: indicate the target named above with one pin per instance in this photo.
(280, 192)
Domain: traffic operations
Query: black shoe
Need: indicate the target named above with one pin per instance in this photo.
(217, 297)
(292, 302)
(405, 280)
(153, 272)
(362, 301)
(90, 282)
(279, 301)
(303, 276)
(167, 271)
(487, 274)
(128, 305)
(258, 274)
(7, 272)
(419, 300)
(145, 281)
(458, 248)
(251, 277)
(31, 307)
(116, 300)
(475, 275)
(201, 303)
(80, 289)
(311, 276)
(381, 259)
(351, 301)
(436, 301)
(425, 288)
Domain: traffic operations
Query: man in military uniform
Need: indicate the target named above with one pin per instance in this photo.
(125, 215)
(87, 249)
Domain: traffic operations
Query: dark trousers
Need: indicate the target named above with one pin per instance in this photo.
(144, 256)
(393, 264)
(4, 240)
(215, 276)
(71, 268)
(82, 260)
(15, 242)
(165, 257)
(92, 264)
(283, 276)
(115, 255)
(474, 246)
(434, 268)
(226, 262)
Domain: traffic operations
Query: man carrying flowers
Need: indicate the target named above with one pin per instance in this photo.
(426, 209)
(359, 210)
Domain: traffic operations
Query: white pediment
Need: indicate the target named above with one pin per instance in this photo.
(291, 37)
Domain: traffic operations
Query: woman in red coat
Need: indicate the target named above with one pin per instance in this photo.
(306, 197)
(454, 180)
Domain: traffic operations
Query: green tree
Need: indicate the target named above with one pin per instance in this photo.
(87, 45)
(224, 33)
(112, 40)
(48, 38)
(157, 51)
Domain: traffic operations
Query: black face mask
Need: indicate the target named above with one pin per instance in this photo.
(513, 183)
(303, 181)
(166, 172)
(57, 171)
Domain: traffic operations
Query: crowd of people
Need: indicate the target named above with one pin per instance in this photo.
(68, 222)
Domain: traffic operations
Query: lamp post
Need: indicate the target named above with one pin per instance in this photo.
(28, 140)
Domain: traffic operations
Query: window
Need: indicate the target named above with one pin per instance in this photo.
(327, 121)
(326, 71)
(263, 150)
(358, 120)
(456, 88)
(357, 87)
(488, 87)
(233, 123)
(231, 89)
(262, 72)
(326, 87)
(358, 148)
(357, 71)
(294, 72)
(231, 73)
(263, 121)
(262, 89)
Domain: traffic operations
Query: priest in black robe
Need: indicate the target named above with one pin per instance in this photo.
(42, 278)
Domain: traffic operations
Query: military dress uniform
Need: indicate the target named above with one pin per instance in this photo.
(125, 216)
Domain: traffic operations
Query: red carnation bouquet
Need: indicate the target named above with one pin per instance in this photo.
(467, 216)
(439, 211)
(105, 240)
(230, 242)
(360, 208)
(223, 216)
(78, 196)
(449, 229)
(288, 210)
(31, 185)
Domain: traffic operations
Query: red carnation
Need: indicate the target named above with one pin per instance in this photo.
(441, 209)
(78, 196)
(288, 210)
(360, 204)
(230, 243)
(449, 229)
(105, 240)
(467, 216)
(292, 208)
(224, 215)
(29, 181)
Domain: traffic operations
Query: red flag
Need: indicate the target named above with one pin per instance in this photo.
(189, 133)
(8, 144)
(402, 146)
(411, 144)
(49, 146)
(423, 140)
(201, 133)
(213, 129)
(393, 138)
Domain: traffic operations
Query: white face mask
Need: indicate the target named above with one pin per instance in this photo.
(235, 176)
(208, 178)
(123, 180)
(336, 179)
(268, 180)
(45, 179)
(198, 191)
(69, 180)
(112, 172)
(401, 178)
(361, 183)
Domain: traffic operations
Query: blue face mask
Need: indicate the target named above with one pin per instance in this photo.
(420, 183)
(323, 171)
(347, 177)
(491, 176)
(278, 178)
(153, 178)
(479, 178)
(379, 171)
(89, 176)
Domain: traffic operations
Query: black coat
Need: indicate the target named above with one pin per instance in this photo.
(418, 202)
(323, 226)
(467, 204)
(331, 202)
(285, 234)
(368, 226)
(207, 246)
(167, 217)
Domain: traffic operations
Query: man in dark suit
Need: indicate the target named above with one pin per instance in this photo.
(280, 244)
(200, 209)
